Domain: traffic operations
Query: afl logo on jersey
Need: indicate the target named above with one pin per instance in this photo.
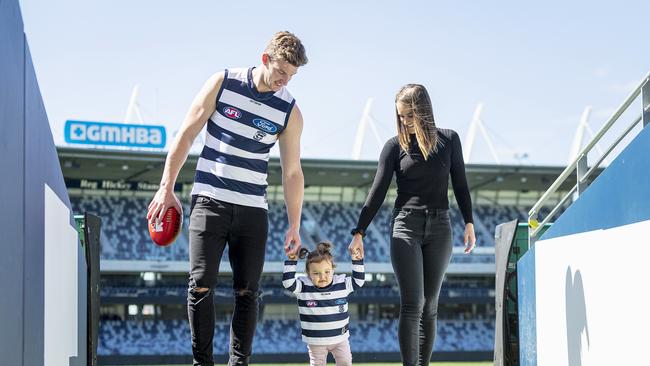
(232, 112)
(265, 125)
(311, 303)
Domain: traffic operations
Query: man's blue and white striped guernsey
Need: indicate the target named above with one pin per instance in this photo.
(323, 311)
(240, 133)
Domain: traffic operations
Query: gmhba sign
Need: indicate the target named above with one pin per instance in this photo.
(114, 134)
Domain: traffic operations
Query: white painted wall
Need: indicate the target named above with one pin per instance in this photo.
(61, 265)
(592, 297)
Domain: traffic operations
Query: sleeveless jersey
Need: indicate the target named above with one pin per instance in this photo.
(233, 164)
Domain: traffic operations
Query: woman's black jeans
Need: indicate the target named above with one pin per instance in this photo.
(420, 250)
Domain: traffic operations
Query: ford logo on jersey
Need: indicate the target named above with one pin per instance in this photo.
(232, 112)
(265, 125)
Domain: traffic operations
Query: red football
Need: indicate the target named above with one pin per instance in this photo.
(166, 231)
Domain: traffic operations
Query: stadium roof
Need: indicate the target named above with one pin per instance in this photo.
(147, 166)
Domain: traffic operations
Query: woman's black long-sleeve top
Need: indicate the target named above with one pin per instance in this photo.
(421, 184)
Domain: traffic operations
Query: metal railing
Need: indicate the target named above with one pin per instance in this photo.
(580, 166)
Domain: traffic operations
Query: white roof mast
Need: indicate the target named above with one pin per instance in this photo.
(471, 135)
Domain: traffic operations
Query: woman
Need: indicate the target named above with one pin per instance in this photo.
(423, 158)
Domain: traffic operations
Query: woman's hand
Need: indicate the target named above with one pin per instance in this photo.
(356, 247)
(469, 238)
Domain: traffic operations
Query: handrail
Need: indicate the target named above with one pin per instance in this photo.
(580, 162)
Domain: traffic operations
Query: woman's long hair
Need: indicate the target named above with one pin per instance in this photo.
(416, 97)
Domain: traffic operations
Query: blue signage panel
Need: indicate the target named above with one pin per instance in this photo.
(114, 134)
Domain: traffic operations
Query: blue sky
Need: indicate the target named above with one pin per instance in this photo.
(534, 65)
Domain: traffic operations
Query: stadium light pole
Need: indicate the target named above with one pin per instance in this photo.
(477, 123)
(361, 130)
(583, 125)
(134, 107)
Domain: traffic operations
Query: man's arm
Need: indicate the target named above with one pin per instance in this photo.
(201, 109)
(293, 181)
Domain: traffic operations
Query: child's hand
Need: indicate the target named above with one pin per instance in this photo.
(292, 257)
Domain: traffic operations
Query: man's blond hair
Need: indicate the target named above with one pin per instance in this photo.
(286, 46)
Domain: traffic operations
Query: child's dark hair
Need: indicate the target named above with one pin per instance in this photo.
(322, 252)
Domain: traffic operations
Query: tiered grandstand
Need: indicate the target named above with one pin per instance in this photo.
(170, 337)
(125, 237)
(144, 286)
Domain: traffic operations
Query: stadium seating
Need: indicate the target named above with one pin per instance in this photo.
(172, 337)
(124, 228)
(124, 234)
(454, 290)
(335, 219)
(493, 215)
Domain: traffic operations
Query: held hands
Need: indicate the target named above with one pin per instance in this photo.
(292, 243)
(356, 247)
(162, 200)
(469, 238)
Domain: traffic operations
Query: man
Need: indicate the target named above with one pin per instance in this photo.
(246, 111)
